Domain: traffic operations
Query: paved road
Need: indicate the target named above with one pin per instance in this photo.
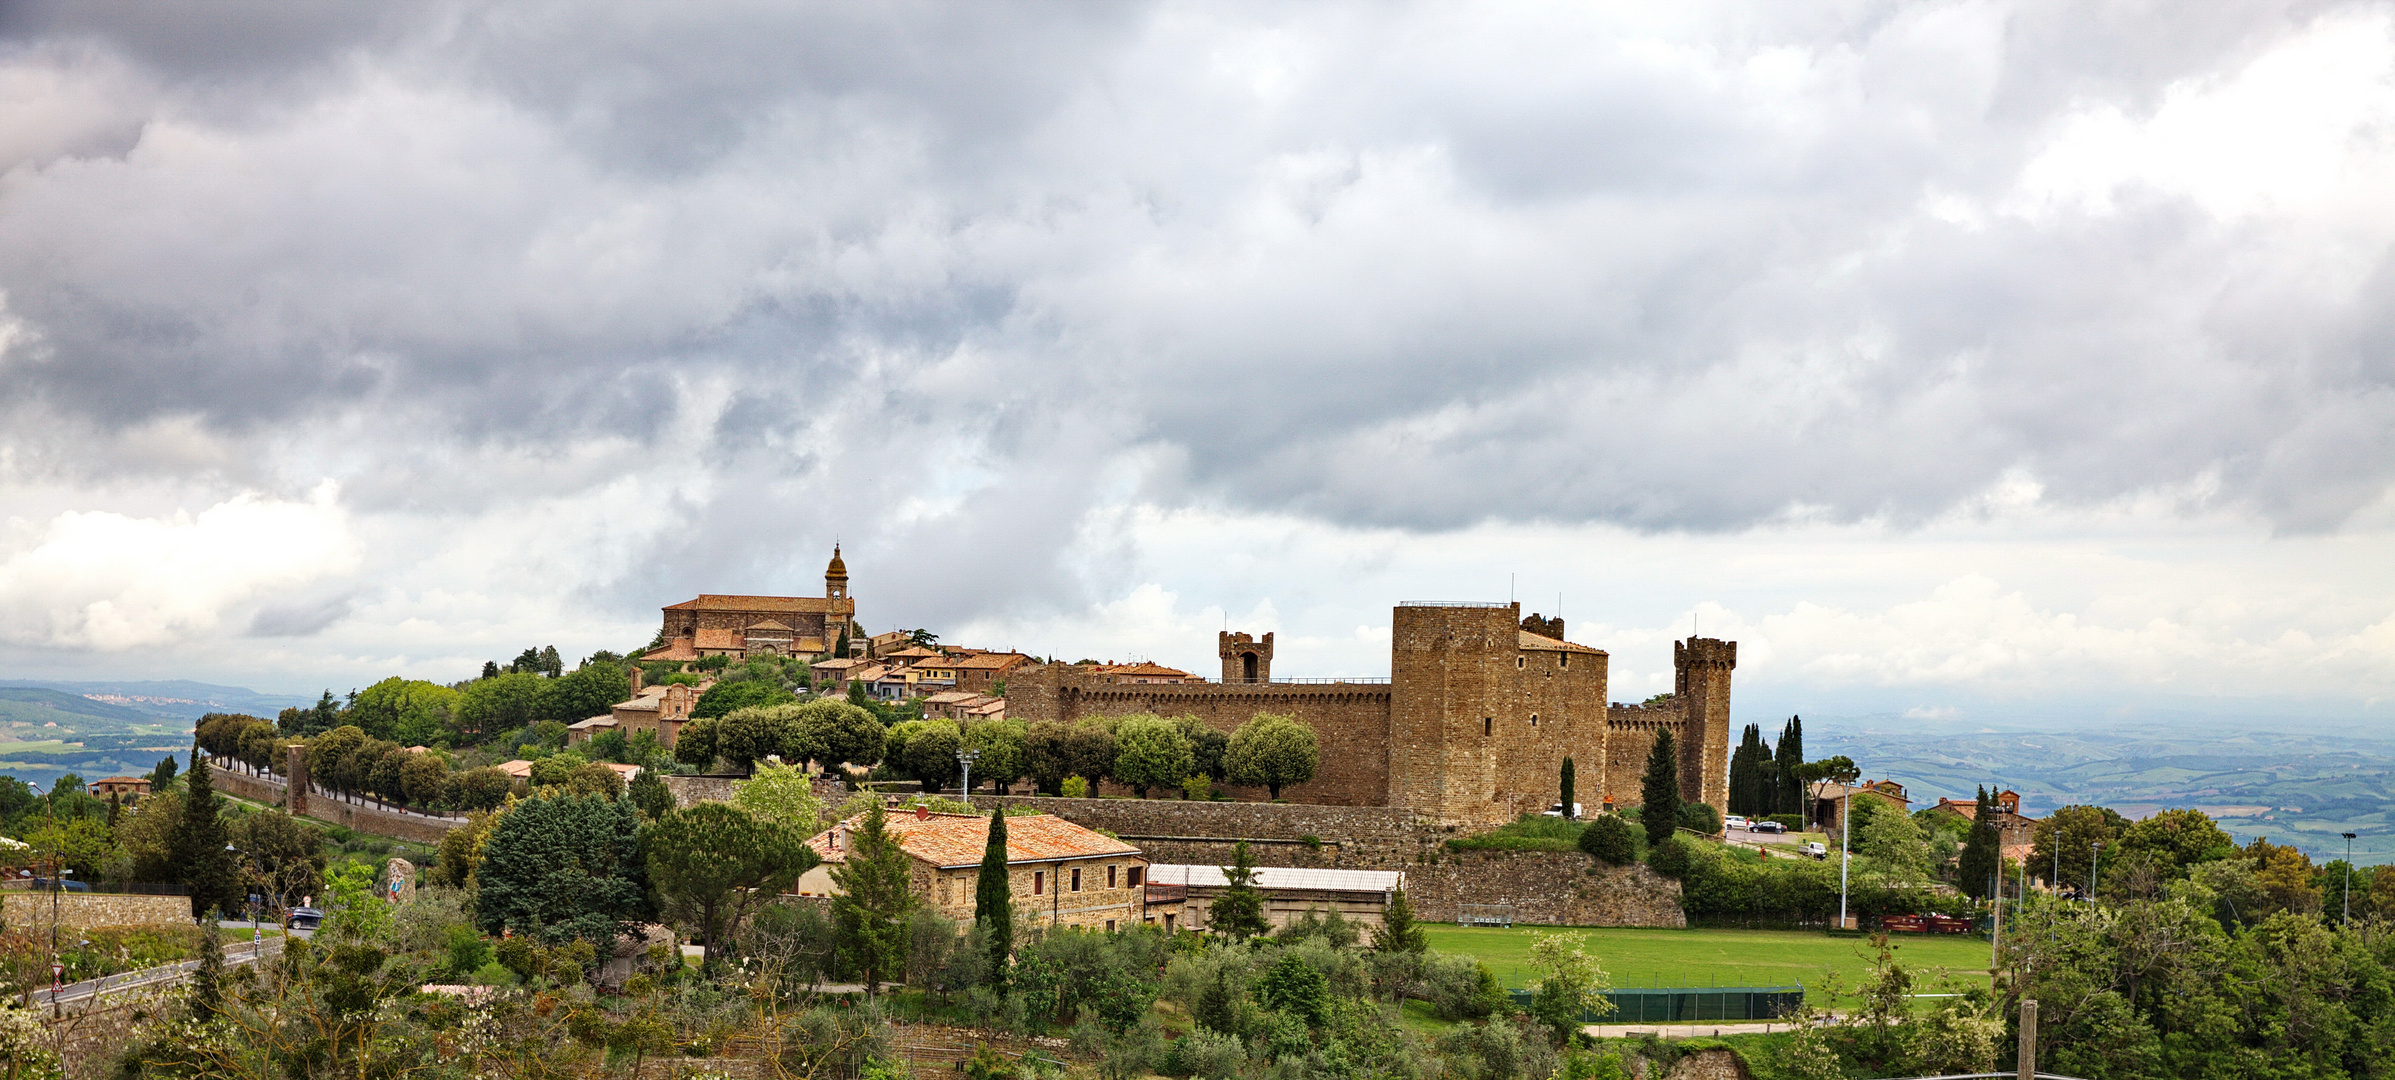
(78, 994)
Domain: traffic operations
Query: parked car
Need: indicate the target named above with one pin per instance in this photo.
(1814, 849)
(45, 885)
(1556, 810)
(1736, 822)
(1767, 827)
(303, 918)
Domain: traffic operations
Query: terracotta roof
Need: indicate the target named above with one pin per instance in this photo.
(769, 625)
(993, 707)
(734, 602)
(1541, 641)
(720, 639)
(519, 768)
(678, 649)
(592, 723)
(122, 780)
(996, 660)
(951, 697)
(957, 840)
(915, 652)
(1144, 667)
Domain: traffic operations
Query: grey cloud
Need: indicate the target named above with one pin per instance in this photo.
(301, 619)
(1411, 267)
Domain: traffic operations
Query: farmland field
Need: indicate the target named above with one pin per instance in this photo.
(1644, 957)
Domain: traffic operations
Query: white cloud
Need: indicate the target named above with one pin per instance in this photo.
(108, 582)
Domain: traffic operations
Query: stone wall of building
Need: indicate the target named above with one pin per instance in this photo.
(32, 909)
(1630, 736)
(1554, 887)
(1350, 720)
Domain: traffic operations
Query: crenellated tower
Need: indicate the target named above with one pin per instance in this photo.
(1702, 669)
(1245, 659)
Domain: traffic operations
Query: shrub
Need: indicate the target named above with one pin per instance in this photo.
(1672, 857)
(1206, 1055)
(1700, 817)
(1075, 787)
(1461, 988)
(1610, 840)
(1792, 822)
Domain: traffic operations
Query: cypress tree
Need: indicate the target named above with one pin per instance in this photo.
(1660, 792)
(1982, 850)
(993, 900)
(1239, 912)
(198, 845)
(207, 981)
(1791, 754)
(1567, 788)
(1397, 930)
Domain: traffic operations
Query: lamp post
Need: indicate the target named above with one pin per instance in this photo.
(967, 758)
(2348, 876)
(2093, 846)
(58, 875)
(1845, 831)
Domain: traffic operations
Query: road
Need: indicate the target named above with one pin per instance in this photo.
(76, 994)
(1779, 845)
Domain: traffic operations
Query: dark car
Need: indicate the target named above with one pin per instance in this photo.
(303, 918)
(1767, 826)
(45, 885)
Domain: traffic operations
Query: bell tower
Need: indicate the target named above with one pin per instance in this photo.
(835, 577)
(1245, 659)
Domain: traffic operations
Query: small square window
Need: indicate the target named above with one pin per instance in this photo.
(1132, 877)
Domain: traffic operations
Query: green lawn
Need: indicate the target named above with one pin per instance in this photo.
(1638, 957)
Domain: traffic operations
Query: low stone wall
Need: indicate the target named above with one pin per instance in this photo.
(688, 790)
(365, 819)
(1547, 887)
(24, 909)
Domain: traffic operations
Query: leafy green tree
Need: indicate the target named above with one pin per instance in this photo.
(926, 750)
(993, 900)
(1217, 1007)
(1975, 869)
(1570, 797)
(1000, 746)
(281, 856)
(746, 736)
(1890, 837)
(1571, 984)
(715, 862)
(1151, 752)
(164, 775)
(591, 690)
(1273, 751)
(499, 703)
(2067, 839)
(649, 793)
(724, 697)
(783, 795)
(1815, 776)
(411, 711)
(78, 844)
(833, 732)
(1609, 839)
(1206, 747)
(696, 745)
(1053, 751)
(1239, 912)
(199, 847)
(1294, 988)
(1398, 932)
(479, 789)
(1659, 790)
(876, 895)
(2178, 840)
(564, 867)
(423, 779)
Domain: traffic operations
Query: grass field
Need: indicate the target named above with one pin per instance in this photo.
(1638, 957)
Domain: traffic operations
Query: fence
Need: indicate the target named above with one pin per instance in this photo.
(1484, 915)
(1682, 1005)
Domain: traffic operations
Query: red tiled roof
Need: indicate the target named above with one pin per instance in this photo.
(678, 649)
(840, 665)
(957, 840)
(731, 602)
(995, 660)
(1543, 642)
(1144, 667)
(721, 639)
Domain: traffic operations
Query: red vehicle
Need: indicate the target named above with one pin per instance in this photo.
(1926, 924)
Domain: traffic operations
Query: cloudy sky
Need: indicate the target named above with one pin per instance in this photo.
(1954, 358)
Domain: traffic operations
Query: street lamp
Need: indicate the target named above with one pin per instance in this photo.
(2348, 876)
(967, 758)
(2093, 846)
(1845, 831)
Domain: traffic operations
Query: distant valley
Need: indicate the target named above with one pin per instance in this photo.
(96, 729)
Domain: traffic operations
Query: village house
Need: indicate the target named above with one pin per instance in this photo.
(1143, 672)
(985, 672)
(2016, 833)
(716, 624)
(660, 710)
(1059, 872)
(963, 706)
(1359, 896)
(1829, 804)
(128, 789)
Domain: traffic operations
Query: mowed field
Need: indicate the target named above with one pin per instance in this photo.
(1659, 958)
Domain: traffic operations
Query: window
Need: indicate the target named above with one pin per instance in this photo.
(1533, 719)
(1521, 662)
(1039, 882)
(1565, 660)
(1076, 879)
(1132, 877)
(1110, 877)
(1488, 725)
(1110, 926)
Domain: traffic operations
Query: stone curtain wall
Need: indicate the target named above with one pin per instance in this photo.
(1350, 720)
(1551, 887)
(365, 819)
(31, 910)
(692, 790)
(1627, 744)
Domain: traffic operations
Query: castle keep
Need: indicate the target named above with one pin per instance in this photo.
(1471, 726)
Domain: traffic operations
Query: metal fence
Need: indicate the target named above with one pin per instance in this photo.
(1692, 1004)
(1484, 915)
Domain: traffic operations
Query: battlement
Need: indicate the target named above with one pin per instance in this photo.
(1705, 652)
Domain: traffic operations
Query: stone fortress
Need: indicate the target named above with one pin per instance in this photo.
(1471, 727)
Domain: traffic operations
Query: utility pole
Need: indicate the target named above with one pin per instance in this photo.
(1845, 831)
(2093, 847)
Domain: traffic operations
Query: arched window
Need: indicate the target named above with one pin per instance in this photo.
(1488, 725)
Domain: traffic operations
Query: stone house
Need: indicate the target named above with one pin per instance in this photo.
(981, 673)
(661, 710)
(129, 789)
(1059, 872)
(2016, 833)
(1830, 804)
(717, 624)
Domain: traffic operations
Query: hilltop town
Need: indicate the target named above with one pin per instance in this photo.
(768, 794)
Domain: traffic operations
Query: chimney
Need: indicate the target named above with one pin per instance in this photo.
(636, 674)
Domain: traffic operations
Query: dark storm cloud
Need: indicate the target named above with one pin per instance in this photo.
(925, 275)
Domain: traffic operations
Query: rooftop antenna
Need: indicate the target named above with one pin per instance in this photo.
(1509, 588)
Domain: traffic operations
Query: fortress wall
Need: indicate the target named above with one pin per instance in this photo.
(1350, 721)
(1549, 887)
(365, 819)
(1631, 738)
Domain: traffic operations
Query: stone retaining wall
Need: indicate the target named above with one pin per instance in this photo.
(365, 819)
(1547, 887)
(32, 909)
(688, 790)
